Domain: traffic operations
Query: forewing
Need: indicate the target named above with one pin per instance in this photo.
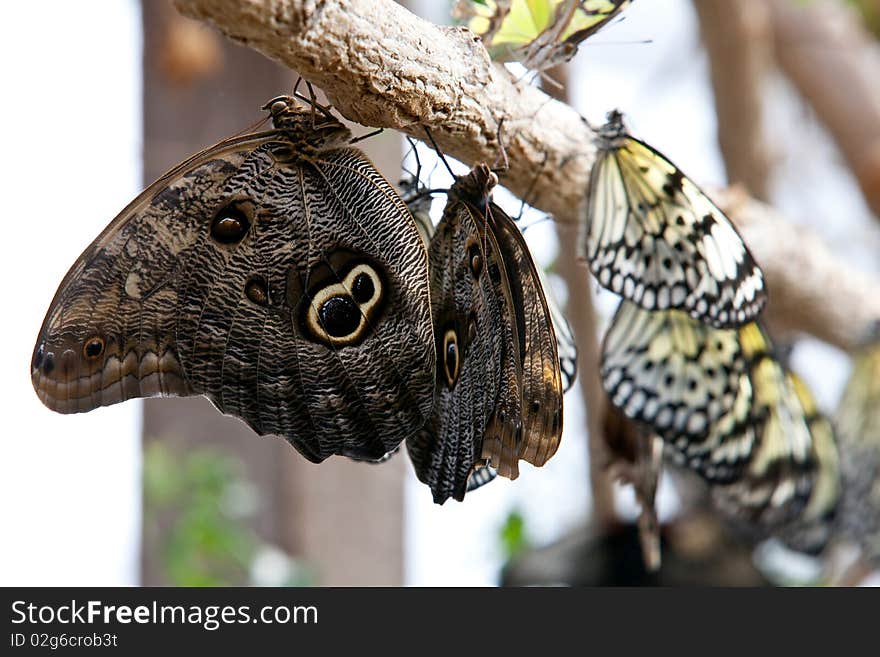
(655, 238)
(678, 376)
(110, 332)
(542, 387)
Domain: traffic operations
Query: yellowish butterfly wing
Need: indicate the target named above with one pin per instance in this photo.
(655, 238)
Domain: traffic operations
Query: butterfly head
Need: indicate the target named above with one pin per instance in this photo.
(476, 186)
(613, 132)
(312, 124)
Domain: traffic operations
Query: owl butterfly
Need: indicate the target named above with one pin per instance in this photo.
(538, 33)
(858, 429)
(499, 377)
(276, 273)
(655, 238)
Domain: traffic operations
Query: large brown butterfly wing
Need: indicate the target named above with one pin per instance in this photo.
(542, 387)
(477, 405)
(278, 274)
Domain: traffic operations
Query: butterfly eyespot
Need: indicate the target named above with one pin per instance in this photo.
(495, 273)
(48, 364)
(535, 406)
(451, 357)
(344, 299)
(667, 263)
(363, 289)
(339, 316)
(230, 225)
(93, 348)
(475, 259)
(679, 220)
(257, 291)
(38, 358)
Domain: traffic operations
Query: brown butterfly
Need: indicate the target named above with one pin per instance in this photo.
(278, 274)
(499, 377)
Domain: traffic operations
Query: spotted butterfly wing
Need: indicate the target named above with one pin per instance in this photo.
(655, 238)
(539, 33)
(778, 480)
(476, 418)
(278, 274)
(858, 429)
(687, 381)
(812, 530)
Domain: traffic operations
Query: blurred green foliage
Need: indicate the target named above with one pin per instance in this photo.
(197, 508)
(870, 10)
(513, 536)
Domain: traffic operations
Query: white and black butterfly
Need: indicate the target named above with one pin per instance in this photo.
(655, 238)
(687, 381)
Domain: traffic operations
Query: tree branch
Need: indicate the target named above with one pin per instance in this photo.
(834, 62)
(736, 36)
(810, 289)
(382, 66)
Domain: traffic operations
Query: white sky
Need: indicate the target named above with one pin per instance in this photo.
(69, 485)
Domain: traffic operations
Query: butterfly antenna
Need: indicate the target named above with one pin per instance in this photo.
(377, 131)
(413, 149)
(535, 222)
(253, 127)
(438, 151)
